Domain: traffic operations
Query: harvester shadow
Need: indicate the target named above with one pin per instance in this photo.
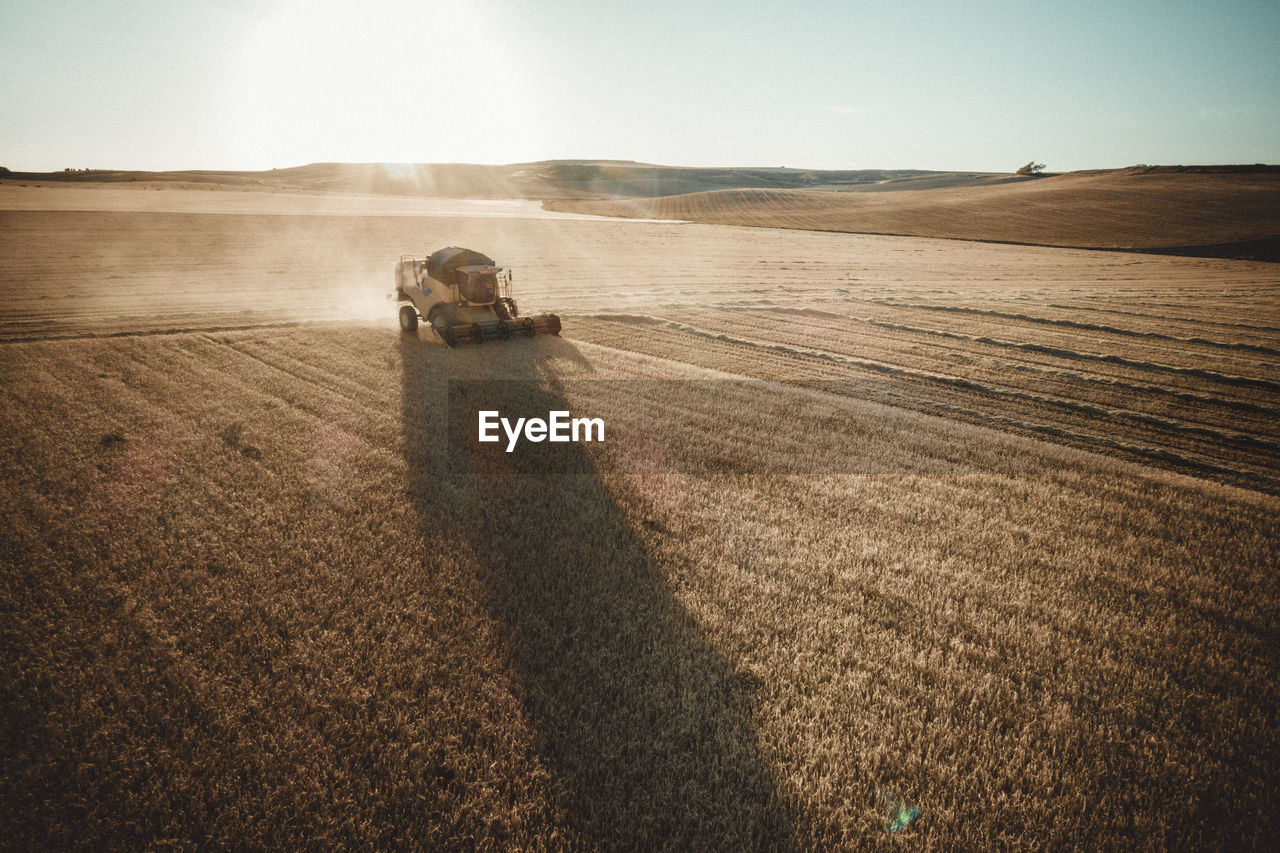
(643, 725)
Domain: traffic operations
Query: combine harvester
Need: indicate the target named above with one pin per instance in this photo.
(463, 296)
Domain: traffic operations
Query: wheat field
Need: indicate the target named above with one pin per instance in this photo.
(987, 531)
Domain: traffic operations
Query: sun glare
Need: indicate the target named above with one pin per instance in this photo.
(390, 81)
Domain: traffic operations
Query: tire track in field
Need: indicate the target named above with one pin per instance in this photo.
(1144, 454)
(159, 364)
(1248, 327)
(1076, 324)
(1088, 440)
(305, 372)
(311, 402)
(1213, 376)
(935, 402)
(1225, 436)
(1103, 380)
(356, 412)
(1078, 355)
(7, 337)
(1232, 467)
(200, 365)
(1073, 386)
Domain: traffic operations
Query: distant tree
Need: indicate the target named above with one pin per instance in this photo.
(4, 170)
(1032, 168)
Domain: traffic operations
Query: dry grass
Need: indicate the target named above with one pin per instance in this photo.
(250, 597)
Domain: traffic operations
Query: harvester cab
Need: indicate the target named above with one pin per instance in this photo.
(464, 296)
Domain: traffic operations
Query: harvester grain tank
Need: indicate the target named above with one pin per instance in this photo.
(464, 296)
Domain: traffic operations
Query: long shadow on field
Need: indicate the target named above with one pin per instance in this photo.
(642, 724)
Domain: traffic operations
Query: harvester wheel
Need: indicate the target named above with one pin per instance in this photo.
(440, 326)
(477, 334)
(529, 329)
(504, 330)
(408, 318)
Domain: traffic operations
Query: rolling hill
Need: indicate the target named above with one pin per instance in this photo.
(548, 179)
(1208, 211)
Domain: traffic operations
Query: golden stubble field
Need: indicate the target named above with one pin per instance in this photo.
(988, 530)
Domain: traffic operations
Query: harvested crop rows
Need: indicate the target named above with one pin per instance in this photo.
(1195, 404)
(878, 517)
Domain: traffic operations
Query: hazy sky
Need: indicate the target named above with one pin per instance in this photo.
(256, 84)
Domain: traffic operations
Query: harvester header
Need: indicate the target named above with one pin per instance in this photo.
(464, 296)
